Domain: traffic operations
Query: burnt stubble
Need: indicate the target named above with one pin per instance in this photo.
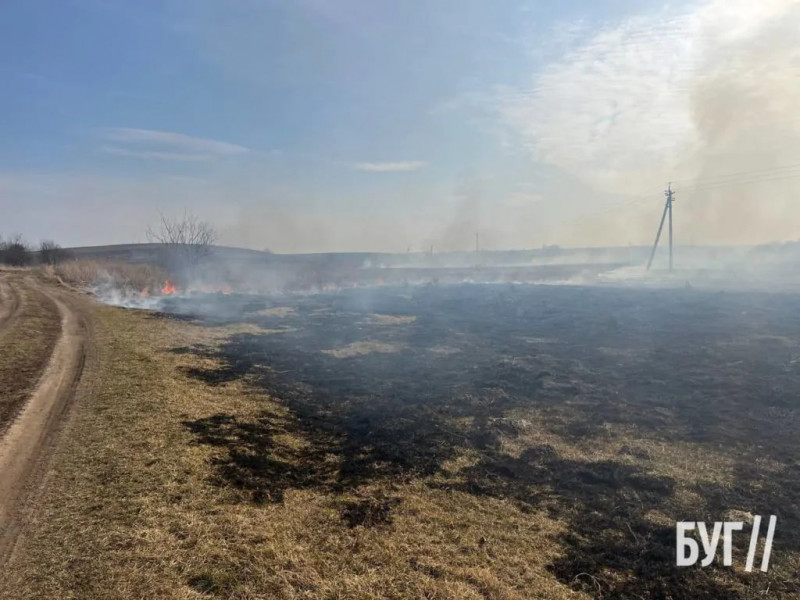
(391, 383)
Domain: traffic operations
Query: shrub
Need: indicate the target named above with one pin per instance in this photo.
(51, 253)
(15, 252)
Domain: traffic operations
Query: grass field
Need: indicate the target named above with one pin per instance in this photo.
(125, 277)
(132, 508)
(457, 442)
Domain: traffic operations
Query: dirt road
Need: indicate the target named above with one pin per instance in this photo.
(25, 443)
(9, 300)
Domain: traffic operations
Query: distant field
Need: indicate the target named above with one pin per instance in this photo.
(149, 253)
(772, 267)
(254, 271)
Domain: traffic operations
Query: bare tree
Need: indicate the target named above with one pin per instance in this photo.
(15, 252)
(187, 240)
(50, 253)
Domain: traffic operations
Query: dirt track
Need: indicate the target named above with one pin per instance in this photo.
(25, 443)
(9, 301)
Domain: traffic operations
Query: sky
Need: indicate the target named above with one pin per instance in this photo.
(388, 125)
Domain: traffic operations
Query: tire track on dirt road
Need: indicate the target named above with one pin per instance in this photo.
(25, 444)
(9, 301)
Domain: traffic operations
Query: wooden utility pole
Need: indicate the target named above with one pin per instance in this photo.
(667, 209)
(668, 194)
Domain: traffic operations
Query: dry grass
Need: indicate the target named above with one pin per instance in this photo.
(127, 277)
(377, 319)
(276, 311)
(26, 343)
(131, 508)
(363, 347)
(181, 477)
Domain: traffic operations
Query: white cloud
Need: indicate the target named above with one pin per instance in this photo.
(167, 145)
(386, 167)
(157, 155)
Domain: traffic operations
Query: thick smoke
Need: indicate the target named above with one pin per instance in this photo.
(744, 108)
(705, 98)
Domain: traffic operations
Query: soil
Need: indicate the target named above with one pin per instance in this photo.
(30, 434)
(9, 301)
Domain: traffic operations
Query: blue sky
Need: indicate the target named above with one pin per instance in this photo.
(319, 125)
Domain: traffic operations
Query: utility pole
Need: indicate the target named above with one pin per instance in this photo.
(667, 209)
(668, 194)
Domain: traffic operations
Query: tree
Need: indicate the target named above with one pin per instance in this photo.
(50, 253)
(15, 252)
(187, 240)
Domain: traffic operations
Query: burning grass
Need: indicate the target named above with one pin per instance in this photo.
(125, 277)
(617, 412)
(137, 504)
(499, 451)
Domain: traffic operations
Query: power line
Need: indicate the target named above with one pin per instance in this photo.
(742, 178)
(738, 175)
(780, 173)
(613, 208)
(745, 181)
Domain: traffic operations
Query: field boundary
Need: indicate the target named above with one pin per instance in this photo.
(27, 442)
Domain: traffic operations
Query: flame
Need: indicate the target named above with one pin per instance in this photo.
(169, 288)
(144, 293)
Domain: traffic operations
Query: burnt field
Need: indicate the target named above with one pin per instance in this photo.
(615, 411)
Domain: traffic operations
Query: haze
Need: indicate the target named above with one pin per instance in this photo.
(370, 125)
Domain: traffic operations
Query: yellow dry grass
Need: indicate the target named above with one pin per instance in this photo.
(363, 347)
(135, 507)
(126, 276)
(131, 510)
(378, 319)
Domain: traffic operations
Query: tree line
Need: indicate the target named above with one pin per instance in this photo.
(185, 242)
(16, 252)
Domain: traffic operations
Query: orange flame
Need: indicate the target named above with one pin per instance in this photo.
(145, 293)
(168, 288)
(225, 290)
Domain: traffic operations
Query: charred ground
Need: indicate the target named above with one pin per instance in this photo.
(619, 411)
